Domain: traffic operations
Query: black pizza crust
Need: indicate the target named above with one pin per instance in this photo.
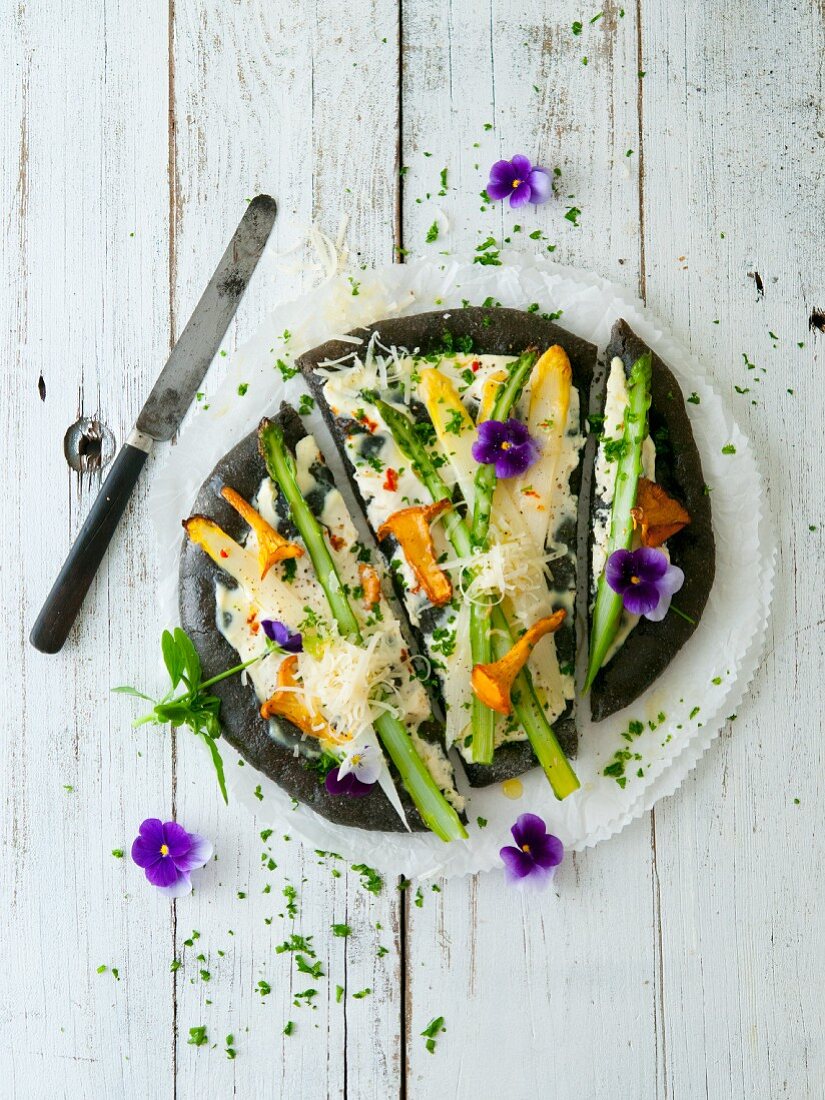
(493, 331)
(651, 647)
(243, 469)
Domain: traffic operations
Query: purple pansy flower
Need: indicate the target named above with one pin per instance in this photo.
(520, 180)
(348, 784)
(288, 640)
(168, 854)
(645, 580)
(508, 444)
(357, 773)
(536, 854)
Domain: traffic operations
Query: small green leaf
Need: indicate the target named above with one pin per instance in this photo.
(125, 690)
(173, 657)
(191, 660)
(217, 762)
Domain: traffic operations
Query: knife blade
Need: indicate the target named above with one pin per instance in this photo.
(159, 418)
(199, 342)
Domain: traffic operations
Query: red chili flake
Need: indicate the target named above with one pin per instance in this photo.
(224, 553)
(475, 366)
(370, 425)
(391, 480)
(337, 542)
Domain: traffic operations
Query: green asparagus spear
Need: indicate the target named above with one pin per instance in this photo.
(435, 811)
(529, 710)
(608, 610)
(483, 719)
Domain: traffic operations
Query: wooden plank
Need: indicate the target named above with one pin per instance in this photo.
(83, 153)
(556, 993)
(734, 186)
(268, 97)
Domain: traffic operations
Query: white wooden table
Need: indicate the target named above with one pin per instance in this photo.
(685, 958)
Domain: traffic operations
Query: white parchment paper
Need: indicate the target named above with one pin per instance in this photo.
(726, 646)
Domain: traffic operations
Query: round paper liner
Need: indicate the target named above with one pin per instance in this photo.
(725, 647)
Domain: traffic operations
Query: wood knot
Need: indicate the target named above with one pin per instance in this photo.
(88, 445)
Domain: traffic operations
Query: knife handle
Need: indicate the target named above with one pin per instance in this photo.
(69, 590)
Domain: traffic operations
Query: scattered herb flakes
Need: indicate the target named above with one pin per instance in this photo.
(68, 787)
(314, 969)
(305, 406)
(102, 968)
(175, 964)
(371, 881)
(339, 993)
(433, 1029)
(356, 286)
(584, 61)
(242, 388)
(716, 680)
(729, 449)
(241, 894)
(297, 942)
(359, 996)
(694, 712)
(629, 153)
(259, 794)
(481, 822)
(577, 28)
(382, 951)
(117, 853)
(263, 987)
(342, 930)
(291, 895)
(231, 1053)
(572, 215)
(305, 996)
(205, 975)
(287, 371)
(419, 899)
(796, 802)
(432, 233)
(694, 399)
(597, 17)
(289, 1027)
(742, 389)
(197, 1036)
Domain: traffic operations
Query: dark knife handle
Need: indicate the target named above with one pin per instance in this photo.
(69, 590)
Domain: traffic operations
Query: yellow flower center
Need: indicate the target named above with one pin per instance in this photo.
(506, 445)
(516, 183)
(356, 759)
(635, 580)
(525, 847)
(164, 849)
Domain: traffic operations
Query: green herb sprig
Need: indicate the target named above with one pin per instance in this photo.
(196, 707)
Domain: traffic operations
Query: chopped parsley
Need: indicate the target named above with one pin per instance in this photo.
(242, 388)
(286, 370)
(372, 882)
(198, 1036)
(433, 1028)
(432, 233)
